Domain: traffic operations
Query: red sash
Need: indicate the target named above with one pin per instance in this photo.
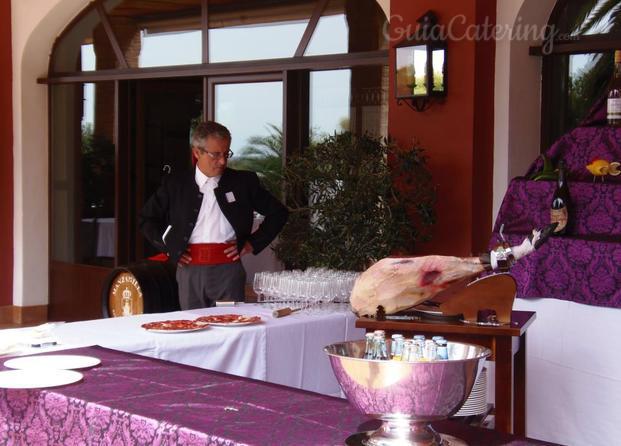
(209, 253)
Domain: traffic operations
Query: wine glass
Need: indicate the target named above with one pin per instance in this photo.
(258, 286)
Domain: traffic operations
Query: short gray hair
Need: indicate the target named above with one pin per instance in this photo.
(207, 129)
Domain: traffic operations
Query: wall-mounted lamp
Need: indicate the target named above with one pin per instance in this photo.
(420, 68)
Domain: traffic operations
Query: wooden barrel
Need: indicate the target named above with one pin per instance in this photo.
(144, 287)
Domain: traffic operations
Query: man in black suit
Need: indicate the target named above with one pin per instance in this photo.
(203, 220)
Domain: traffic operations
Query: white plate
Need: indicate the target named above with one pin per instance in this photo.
(233, 324)
(57, 362)
(36, 379)
(183, 330)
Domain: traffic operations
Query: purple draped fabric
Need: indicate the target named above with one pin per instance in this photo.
(134, 400)
(597, 114)
(577, 270)
(584, 265)
(581, 146)
(595, 208)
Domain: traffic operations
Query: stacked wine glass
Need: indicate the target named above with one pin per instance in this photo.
(308, 287)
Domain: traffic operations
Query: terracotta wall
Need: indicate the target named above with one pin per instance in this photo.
(458, 134)
(6, 157)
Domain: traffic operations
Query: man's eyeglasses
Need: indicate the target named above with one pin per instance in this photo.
(217, 155)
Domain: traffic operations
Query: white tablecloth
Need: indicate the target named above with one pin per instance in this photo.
(286, 351)
(573, 373)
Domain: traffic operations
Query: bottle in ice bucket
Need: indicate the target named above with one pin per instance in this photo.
(442, 349)
(431, 350)
(406, 354)
(383, 348)
(401, 349)
(368, 348)
(396, 347)
(379, 341)
(418, 348)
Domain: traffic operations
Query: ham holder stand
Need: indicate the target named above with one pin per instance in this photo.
(484, 301)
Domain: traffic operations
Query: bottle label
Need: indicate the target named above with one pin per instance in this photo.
(613, 107)
(559, 216)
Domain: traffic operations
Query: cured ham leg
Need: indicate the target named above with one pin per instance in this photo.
(400, 283)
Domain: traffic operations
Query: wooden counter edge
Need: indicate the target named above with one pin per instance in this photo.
(441, 327)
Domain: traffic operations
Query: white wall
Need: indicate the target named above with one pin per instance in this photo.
(573, 389)
(35, 26)
(517, 96)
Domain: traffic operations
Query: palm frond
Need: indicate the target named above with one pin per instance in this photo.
(600, 11)
(263, 155)
(574, 14)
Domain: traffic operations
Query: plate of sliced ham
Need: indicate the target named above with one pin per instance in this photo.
(229, 320)
(175, 326)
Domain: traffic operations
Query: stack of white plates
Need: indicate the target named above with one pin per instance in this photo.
(36, 379)
(41, 371)
(477, 401)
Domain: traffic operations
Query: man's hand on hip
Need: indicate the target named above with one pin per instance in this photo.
(184, 259)
(234, 254)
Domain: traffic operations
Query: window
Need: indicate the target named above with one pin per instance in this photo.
(82, 171)
(577, 72)
(157, 33)
(255, 125)
(78, 42)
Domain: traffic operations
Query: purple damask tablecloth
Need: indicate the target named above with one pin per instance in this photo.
(584, 266)
(135, 400)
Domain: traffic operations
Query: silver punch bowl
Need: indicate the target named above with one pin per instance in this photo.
(406, 395)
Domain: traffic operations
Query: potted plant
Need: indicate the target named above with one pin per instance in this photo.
(354, 200)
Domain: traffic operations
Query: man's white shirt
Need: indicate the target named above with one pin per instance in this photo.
(211, 225)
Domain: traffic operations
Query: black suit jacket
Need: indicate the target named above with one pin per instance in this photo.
(178, 201)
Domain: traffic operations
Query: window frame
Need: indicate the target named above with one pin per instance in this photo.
(552, 99)
(297, 62)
